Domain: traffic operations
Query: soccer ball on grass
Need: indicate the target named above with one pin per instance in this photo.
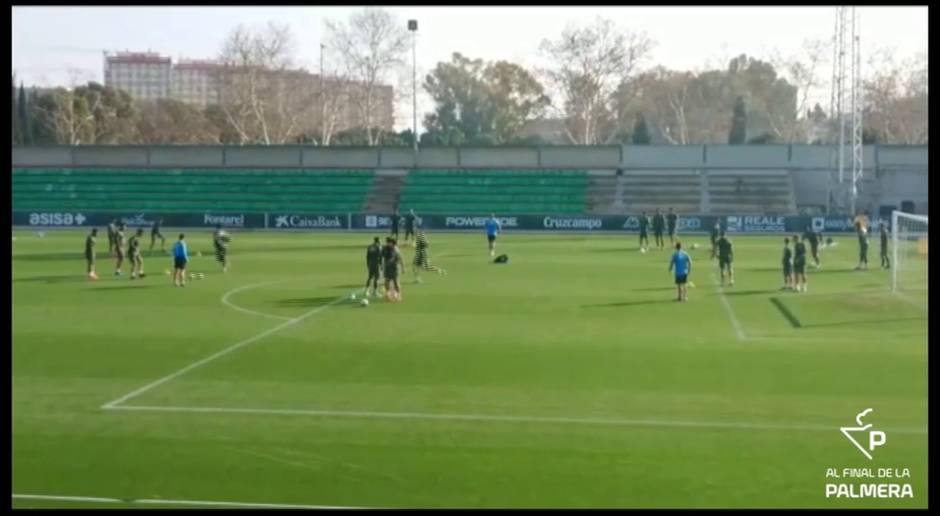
(364, 302)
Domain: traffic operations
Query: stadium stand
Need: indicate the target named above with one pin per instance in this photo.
(751, 194)
(491, 190)
(176, 190)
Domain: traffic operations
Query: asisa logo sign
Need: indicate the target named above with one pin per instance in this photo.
(56, 219)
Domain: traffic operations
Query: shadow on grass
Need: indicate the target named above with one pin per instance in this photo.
(62, 278)
(121, 287)
(810, 271)
(632, 303)
(52, 257)
(865, 322)
(729, 291)
(306, 301)
(624, 250)
(348, 286)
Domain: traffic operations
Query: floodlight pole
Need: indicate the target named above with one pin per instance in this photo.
(322, 101)
(413, 27)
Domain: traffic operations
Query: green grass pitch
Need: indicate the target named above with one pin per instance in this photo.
(566, 378)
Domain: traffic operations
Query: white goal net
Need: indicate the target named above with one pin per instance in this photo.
(909, 254)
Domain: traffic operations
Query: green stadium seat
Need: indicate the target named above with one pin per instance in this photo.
(187, 190)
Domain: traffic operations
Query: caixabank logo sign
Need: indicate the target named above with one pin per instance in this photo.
(867, 482)
(292, 221)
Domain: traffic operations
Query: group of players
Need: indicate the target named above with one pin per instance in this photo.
(794, 260)
(387, 261)
(116, 243)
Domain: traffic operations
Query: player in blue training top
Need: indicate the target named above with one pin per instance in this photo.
(492, 230)
(682, 263)
(180, 257)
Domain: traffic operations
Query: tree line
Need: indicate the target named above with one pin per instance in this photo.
(597, 86)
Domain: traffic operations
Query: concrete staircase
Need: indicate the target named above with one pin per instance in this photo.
(385, 192)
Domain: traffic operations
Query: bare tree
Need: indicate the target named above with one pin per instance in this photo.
(263, 100)
(589, 63)
(167, 121)
(805, 71)
(373, 45)
(896, 99)
(66, 116)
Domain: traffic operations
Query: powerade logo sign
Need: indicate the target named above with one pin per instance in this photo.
(632, 223)
(301, 221)
(237, 221)
(56, 219)
(823, 224)
(478, 222)
(572, 223)
(756, 224)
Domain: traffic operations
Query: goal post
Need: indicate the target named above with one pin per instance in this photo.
(908, 251)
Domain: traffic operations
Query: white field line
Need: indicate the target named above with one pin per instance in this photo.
(898, 294)
(210, 358)
(228, 303)
(661, 423)
(150, 501)
(724, 300)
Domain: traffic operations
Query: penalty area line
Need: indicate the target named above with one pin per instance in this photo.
(160, 501)
(218, 354)
(738, 330)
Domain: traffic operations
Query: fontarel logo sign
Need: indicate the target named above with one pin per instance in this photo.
(237, 221)
(303, 221)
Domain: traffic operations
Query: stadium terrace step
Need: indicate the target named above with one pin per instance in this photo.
(490, 190)
(173, 190)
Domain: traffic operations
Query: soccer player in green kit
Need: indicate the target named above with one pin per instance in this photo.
(119, 248)
(713, 236)
(133, 252)
(862, 247)
(885, 261)
(374, 264)
(90, 253)
(814, 240)
(644, 231)
(659, 224)
(725, 258)
(672, 225)
(799, 264)
(787, 265)
(393, 263)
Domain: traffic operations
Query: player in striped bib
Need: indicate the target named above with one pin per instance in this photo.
(421, 257)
